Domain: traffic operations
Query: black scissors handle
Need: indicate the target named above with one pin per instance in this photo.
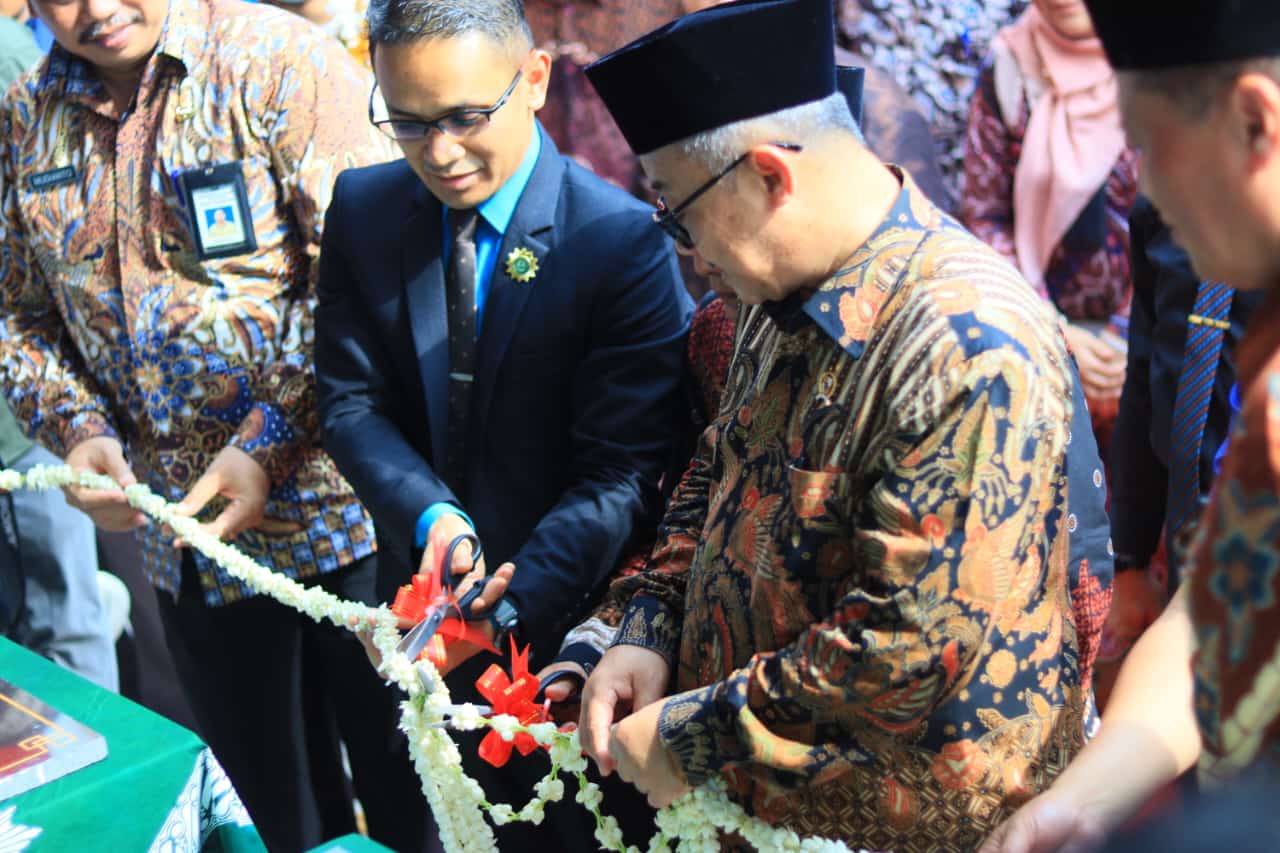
(446, 565)
(559, 675)
(464, 603)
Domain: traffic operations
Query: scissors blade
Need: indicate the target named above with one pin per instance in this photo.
(412, 644)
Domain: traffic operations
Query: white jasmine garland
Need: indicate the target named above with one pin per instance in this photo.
(550, 790)
(566, 752)
(544, 733)
(589, 795)
(456, 800)
(465, 718)
(609, 834)
(533, 812)
(506, 726)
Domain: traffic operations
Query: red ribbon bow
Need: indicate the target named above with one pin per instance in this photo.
(512, 695)
(424, 591)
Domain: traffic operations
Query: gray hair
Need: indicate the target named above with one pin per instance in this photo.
(1194, 88)
(716, 149)
(401, 21)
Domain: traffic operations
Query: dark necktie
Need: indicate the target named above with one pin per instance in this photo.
(460, 298)
(1206, 327)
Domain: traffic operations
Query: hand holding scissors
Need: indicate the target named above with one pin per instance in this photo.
(472, 605)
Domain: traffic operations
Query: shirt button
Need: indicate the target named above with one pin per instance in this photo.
(1072, 523)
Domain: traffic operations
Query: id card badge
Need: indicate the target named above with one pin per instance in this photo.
(218, 210)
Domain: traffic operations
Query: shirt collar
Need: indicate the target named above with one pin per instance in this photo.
(70, 72)
(43, 36)
(847, 306)
(186, 32)
(498, 208)
(186, 25)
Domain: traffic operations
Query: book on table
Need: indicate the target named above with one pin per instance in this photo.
(39, 744)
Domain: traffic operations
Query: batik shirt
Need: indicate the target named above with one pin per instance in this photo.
(112, 326)
(862, 580)
(1235, 574)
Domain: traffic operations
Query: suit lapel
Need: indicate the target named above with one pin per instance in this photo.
(423, 275)
(529, 229)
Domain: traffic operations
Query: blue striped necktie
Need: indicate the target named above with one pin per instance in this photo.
(1206, 327)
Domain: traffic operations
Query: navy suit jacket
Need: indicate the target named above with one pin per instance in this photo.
(1164, 293)
(576, 402)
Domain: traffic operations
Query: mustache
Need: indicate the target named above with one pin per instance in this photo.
(120, 19)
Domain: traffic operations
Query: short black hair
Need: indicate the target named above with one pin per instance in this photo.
(402, 21)
(1194, 88)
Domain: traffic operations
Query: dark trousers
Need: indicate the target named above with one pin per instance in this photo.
(567, 825)
(241, 667)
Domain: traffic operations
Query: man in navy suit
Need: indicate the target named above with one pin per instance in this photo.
(499, 343)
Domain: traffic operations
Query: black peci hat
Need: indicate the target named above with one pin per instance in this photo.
(849, 80)
(1146, 35)
(712, 68)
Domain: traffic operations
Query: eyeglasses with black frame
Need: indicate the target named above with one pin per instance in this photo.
(668, 219)
(464, 122)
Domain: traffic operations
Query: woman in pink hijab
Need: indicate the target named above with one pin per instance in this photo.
(1049, 183)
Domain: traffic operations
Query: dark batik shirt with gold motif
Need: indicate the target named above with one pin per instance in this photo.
(862, 579)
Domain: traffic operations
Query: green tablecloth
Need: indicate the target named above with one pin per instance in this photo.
(159, 788)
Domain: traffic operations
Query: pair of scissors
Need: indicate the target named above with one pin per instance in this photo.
(419, 635)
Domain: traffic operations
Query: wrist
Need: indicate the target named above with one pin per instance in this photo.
(266, 435)
(86, 427)
(1115, 776)
(432, 514)
(504, 619)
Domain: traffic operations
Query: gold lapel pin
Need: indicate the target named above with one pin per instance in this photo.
(522, 265)
(186, 100)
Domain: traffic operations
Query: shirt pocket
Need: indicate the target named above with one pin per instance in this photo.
(816, 524)
(272, 227)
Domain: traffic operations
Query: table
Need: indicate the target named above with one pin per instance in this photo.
(159, 788)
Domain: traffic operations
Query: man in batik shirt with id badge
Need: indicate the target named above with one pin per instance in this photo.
(163, 179)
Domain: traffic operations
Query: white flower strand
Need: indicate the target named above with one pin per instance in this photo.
(456, 800)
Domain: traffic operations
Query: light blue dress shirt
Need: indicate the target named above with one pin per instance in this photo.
(495, 215)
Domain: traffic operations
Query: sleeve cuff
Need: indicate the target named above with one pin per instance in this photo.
(84, 427)
(584, 655)
(265, 434)
(594, 634)
(699, 736)
(431, 515)
(649, 624)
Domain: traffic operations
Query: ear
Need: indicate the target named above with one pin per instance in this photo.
(1255, 102)
(538, 75)
(776, 168)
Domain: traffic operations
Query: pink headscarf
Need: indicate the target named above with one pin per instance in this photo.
(1073, 138)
